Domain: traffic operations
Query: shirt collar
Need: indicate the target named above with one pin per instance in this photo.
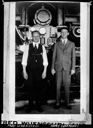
(34, 43)
(65, 40)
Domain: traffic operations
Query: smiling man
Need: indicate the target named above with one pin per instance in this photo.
(63, 64)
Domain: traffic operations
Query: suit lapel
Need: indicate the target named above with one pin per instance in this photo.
(61, 45)
(64, 47)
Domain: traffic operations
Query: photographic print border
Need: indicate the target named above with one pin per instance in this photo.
(9, 71)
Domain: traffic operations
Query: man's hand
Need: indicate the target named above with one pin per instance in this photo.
(72, 72)
(25, 75)
(43, 75)
(53, 71)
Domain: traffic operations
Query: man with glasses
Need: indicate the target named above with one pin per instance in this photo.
(34, 64)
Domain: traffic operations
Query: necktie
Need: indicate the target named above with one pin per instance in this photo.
(35, 46)
(63, 42)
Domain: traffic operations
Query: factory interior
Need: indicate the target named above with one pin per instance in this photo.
(48, 18)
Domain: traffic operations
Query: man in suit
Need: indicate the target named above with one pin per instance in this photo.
(63, 64)
(34, 64)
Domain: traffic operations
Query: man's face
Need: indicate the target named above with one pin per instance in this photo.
(64, 33)
(36, 37)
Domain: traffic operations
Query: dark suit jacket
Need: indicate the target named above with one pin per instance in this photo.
(63, 56)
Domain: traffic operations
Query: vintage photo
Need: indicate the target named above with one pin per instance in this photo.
(46, 61)
(47, 83)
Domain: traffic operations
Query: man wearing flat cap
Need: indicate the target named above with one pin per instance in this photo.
(63, 64)
(34, 64)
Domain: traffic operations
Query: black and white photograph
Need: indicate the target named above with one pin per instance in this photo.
(46, 61)
(49, 83)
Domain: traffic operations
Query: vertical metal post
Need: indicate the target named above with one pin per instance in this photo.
(60, 17)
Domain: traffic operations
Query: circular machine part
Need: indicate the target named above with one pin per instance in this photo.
(42, 31)
(43, 16)
(76, 31)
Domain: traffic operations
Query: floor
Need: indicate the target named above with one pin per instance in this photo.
(48, 108)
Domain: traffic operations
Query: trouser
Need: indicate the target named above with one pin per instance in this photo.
(34, 84)
(63, 77)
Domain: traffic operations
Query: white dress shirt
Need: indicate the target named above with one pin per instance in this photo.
(36, 44)
(64, 40)
(25, 54)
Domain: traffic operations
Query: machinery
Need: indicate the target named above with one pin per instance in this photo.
(47, 18)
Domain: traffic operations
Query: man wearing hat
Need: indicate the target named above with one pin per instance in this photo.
(63, 64)
(34, 64)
